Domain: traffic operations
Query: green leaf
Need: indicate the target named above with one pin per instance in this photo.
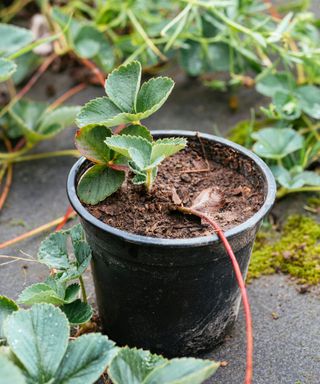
(86, 42)
(99, 182)
(40, 293)
(309, 98)
(10, 373)
(182, 371)
(137, 130)
(292, 180)
(276, 143)
(26, 64)
(7, 69)
(191, 58)
(153, 95)
(72, 293)
(57, 120)
(53, 251)
(27, 115)
(39, 338)
(85, 360)
(167, 147)
(77, 312)
(270, 84)
(101, 111)
(122, 86)
(132, 366)
(129, 146)
(90, 143)
(7, 306)
(13, 38)
(286, 105)
(135, 366)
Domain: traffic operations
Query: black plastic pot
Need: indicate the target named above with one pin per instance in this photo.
(172, 296)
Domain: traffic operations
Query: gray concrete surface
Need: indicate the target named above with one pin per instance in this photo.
(287, 350)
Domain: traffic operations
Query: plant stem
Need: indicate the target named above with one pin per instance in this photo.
(237, 270)
(149, 180)
(66, 216)
(71, 92)
(83, 290)
(34, 232)
(46, 155)
(9, 170)
(285, 191)
(144, 35)
(99, 75)
(13, 155)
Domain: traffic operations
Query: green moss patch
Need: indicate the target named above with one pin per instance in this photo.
(296, 252)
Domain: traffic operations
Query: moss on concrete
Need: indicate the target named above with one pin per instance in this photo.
(296, 252)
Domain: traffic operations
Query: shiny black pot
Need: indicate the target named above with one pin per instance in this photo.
(172, 296)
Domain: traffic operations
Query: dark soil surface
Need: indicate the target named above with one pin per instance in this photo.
(236, 197)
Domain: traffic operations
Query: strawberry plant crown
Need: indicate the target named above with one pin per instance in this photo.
(133, 147)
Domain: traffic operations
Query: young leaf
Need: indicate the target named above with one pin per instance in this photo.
(309, 98)
(167, 147)
(90, 143)
(286, 105)
(122, 86)
(290, 180)
(13, 38)
(276, 143)
(182, 371)
(153, 95)
(77, 312)
(137, 130)
(40, 293)
(7, 306)
(10, 373)
(123, 144)
(86, 42)
(270, 84)
(132, 366)
(101, 111)
(85, 360)
(99, 182)
(39, 338)
(7, 69)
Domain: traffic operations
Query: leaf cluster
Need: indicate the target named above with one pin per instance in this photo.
(65, 267)
(127, 103)
(38, 351)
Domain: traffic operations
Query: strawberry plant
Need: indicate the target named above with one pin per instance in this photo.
(126, 103)
(60, 288)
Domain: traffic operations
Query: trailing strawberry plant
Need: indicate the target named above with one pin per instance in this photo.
(60, 288)
(133, 147)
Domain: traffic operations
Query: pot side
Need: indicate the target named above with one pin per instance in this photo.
(177, 297)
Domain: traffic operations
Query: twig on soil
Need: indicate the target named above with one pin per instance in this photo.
(35, 231)
(95, 70)
(207, 169)
(71, 92)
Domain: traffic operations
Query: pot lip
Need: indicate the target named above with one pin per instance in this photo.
(195, 241)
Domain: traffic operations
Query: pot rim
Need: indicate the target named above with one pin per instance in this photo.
(195, 241)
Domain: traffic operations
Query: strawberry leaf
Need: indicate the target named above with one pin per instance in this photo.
(122, 86)
(167, 147)
(77, 312)
(7, 306)
(99, 182)
(90, 143)
(102, 111)
(124, 143)
(137, 130)
(153, 95)
(40, 293)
